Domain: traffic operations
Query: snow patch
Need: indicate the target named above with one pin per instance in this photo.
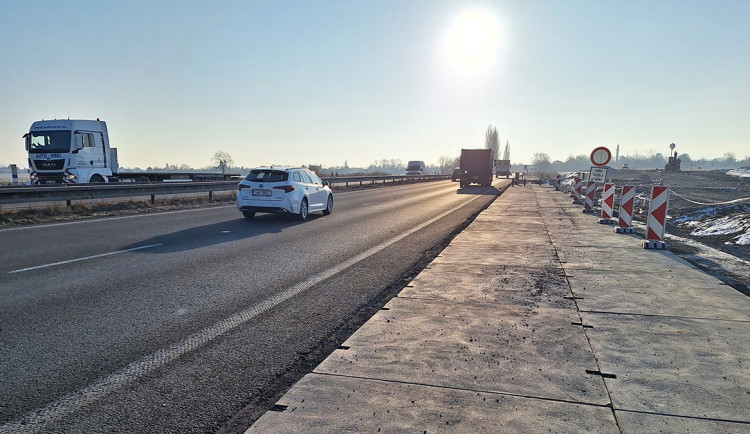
(719, 221)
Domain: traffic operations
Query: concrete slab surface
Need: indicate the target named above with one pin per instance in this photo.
(532, 256)
(635, 422)
(505, 284)
(320, 403)
(534, 319)
(664, 294)
(526, 350)
(675, 366)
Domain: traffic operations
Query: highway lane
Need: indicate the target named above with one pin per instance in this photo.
(126, 323)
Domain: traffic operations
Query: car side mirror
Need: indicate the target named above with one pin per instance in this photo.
(325, 183)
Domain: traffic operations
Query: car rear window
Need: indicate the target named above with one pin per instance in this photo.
(264, 175)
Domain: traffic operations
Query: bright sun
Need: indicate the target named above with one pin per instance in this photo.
(473, 40)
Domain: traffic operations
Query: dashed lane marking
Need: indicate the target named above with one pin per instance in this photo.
(86, 258)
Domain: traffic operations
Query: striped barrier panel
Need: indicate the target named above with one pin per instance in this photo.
(557, 183)
(657, 218)
(588, 207)
(577, 187)
(625, 216)
(608, 203)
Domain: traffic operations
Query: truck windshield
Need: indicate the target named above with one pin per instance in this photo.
(44, 142)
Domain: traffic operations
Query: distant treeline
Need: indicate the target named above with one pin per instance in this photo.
(654, 161)
(445, 165)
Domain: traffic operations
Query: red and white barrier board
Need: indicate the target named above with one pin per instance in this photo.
(657, 218)
(608, 203)
(590, 193)
(577, 187)
(625, 216)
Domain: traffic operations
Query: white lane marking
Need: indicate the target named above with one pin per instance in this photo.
(84, 258)
(369, 203)
(37, 420)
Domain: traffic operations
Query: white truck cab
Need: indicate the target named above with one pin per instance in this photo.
(68, 151)
(415, 167)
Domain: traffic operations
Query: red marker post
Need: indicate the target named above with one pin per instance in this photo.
(608, 203)
(625, 216)
(590, 193)
(657, 218)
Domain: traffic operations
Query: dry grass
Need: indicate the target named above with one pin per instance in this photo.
(81, 210)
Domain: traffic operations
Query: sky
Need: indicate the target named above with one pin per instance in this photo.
(357, 81)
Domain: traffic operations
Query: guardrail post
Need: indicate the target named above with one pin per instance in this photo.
(210, 196)
(14, 174)
(68, 203)
(153, 199)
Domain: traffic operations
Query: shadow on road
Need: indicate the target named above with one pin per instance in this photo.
(491, 191)
(218, 233)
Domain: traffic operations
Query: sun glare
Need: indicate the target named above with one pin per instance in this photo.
(473, 40)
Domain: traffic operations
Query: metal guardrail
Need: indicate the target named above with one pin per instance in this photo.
(69, 193)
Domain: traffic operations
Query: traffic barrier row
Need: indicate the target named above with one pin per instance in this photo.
(657, 212)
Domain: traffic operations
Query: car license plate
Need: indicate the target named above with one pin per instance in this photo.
(261, 192)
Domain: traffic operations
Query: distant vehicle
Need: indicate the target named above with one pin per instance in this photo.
(477, 167)
(74, 151)
(456, 175)
(415, 167)
(625, 166)
(295, 191)
(502, 168)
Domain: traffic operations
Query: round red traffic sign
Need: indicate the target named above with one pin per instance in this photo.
(600, 156)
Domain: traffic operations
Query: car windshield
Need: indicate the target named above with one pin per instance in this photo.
(267, 175)
(43, 142)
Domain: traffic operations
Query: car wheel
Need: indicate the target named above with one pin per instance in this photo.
(248, 214)
(303, 209)
(329, 206)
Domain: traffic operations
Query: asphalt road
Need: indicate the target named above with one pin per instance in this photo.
(198, 320)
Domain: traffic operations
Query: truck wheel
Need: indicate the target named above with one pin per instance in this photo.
(303, 209)
(96, 178)
(248, 214)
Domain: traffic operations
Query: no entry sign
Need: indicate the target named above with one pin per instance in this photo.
(600, 156)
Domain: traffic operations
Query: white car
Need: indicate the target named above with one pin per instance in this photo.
(295, 191)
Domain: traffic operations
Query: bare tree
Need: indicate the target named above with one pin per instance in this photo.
(542, 162)
(491, 140)
(222, 160)
(506, 153)
(447, 163)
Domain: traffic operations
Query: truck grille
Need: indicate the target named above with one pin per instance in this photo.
(49, 164)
